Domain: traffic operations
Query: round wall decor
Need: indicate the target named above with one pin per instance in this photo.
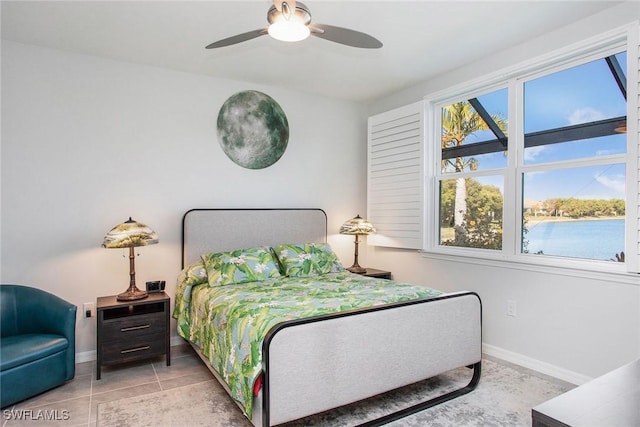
(252, 129)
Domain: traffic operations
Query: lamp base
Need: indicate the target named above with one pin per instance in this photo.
(357, 269)
(132, 294)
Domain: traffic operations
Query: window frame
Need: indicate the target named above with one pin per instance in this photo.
(625, 38)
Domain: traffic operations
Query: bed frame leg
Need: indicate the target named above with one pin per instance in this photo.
(473, 383)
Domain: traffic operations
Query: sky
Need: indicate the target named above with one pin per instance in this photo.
(580, 94)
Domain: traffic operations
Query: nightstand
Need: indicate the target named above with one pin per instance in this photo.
(132, 330)
(381, 274)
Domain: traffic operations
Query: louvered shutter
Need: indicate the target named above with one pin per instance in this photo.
(395, 177)
(634, 235)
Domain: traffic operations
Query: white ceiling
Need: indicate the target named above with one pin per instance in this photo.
(421, 38)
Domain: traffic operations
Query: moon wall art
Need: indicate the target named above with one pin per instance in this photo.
(252, 129)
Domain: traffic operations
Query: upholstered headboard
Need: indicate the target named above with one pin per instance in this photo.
(215, 230)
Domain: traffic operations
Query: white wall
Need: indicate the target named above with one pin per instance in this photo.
(571, 326)
(88, 142)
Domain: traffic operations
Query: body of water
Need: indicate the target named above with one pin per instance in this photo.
(591, 239)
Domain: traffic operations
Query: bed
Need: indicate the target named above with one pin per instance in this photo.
(315, 362)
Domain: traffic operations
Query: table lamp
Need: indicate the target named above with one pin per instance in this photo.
(357, 226)
(130, 234)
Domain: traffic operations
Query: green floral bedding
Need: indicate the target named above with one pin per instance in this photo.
(230, 322)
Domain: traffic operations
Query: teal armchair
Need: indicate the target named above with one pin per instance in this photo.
(37, 342)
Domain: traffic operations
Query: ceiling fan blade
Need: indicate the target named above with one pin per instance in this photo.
(237, 38)
(345, 36)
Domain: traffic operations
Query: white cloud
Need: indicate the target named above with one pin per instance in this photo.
(585, 115)
(531, 153)
(616, 183)
(604, 152)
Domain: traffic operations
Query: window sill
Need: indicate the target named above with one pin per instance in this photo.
(595, 270)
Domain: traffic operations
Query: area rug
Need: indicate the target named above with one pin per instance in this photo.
(504, 397)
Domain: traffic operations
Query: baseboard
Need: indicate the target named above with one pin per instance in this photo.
(535, 365)
(86, 356)
(90, 356)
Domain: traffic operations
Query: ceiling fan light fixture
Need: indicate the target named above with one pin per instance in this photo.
(290, 21)
(290, 30)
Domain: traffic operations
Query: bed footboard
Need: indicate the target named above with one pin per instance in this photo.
(362, 353)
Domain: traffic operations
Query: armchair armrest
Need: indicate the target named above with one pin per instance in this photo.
(40, 312)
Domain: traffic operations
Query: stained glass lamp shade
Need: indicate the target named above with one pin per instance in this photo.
(357, 226)
(130, 234)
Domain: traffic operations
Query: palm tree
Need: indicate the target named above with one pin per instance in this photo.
(459, 120)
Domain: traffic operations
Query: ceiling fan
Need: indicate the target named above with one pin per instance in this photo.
(291, 21)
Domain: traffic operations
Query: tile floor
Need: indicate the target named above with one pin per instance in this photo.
(76, 402)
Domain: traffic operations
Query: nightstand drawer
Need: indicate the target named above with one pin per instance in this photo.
(141, 348)
(133, 327)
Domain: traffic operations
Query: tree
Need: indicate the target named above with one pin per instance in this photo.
(459, 120)
(483, 220)
(485, 201)
(553, 206)
(579, 208)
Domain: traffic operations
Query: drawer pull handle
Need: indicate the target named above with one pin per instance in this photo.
(131, 350)
(134, 328)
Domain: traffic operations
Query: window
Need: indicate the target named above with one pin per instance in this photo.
(573, 167)
(533, 166)
(473, 140)
(571, 171)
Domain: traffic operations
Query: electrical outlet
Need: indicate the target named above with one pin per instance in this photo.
(511, 308)
(88, 309)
